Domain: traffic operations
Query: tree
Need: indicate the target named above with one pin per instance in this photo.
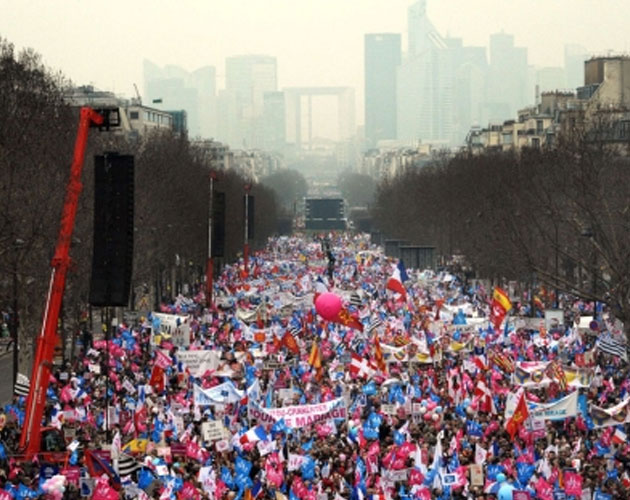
(561, 213)
(357, 189)
(289, 187)
(35, 150)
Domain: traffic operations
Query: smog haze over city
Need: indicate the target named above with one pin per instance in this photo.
(314, 45)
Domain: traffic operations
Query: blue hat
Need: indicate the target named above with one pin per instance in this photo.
(500, 477)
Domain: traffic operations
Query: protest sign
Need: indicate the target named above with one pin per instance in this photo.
(476, 475)
(559, 410)
(220, 394)
(266, 447)
(212, 430)
(222, 445)
(607, 417)
(521, 495)
(295, 461)
(534, 375)
(207, 480)
(173, 326)
(286, 395)
(388, 409)
(298, 416)
(199, 362)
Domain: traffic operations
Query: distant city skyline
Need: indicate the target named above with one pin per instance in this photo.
(315, 43)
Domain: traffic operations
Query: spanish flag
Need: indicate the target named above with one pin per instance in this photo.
(500, 306)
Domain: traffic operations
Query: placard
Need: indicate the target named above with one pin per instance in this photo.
(222, 445)
(389, 409)
(212, 430)
(476, 475)
(286, 395)
(295, 462)
(554, 318)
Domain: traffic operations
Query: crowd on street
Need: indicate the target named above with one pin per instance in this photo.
(326, 370)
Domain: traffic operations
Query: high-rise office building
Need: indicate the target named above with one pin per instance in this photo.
(508, 79)
(274, 121)
(425, 83)
(382, 58)
(247, 78)
(574, 58)
(173, 88)
(422, 34)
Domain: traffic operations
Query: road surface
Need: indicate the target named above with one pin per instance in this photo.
(6, 376)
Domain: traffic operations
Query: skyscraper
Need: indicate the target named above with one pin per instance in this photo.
(382, 58)
(424, 83)
(247, 78)
(574, 58)
(274, 121)
(174, 88)
(508, 86)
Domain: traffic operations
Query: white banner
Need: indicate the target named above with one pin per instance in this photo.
(174, 327)
(559, 410)
(199, 362)
(606, 417)
(298, 416)
(532, 374)
(222, 394)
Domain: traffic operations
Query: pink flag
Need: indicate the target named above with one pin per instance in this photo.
(424, 494)
(415, 477)
(543, 489)
(162, 360)
(573, 484)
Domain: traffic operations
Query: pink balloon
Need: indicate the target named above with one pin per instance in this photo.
(328, 305)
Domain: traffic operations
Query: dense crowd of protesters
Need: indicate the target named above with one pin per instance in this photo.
(421, 377)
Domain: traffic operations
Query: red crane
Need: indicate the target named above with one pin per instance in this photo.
(42, 364)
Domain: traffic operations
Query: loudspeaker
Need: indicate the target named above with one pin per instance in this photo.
(218, 224)
(250, 215)
(112, 257)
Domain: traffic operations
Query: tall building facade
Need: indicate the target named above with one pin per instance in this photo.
(575, 57)
(247, 79)
(174, 88)
(508, 87)
(382, 58)
(274, 121)
(440, 84)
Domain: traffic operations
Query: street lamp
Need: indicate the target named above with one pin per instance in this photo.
(589, 233)
(246, 235)
(556, 297)
(15, 322)
(210, 263)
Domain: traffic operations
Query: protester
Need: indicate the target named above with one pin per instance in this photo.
(358, 379)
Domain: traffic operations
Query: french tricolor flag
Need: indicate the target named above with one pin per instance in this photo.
(253, 435)
(396, 281)
(619, 437)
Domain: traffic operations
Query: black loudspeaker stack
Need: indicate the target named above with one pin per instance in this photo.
(218, 224)
(112, 258)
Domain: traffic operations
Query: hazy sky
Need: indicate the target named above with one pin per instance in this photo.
(317, 42)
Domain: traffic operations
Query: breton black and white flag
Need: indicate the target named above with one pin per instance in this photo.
(22, 385)
(127, 465)
(610, 345)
